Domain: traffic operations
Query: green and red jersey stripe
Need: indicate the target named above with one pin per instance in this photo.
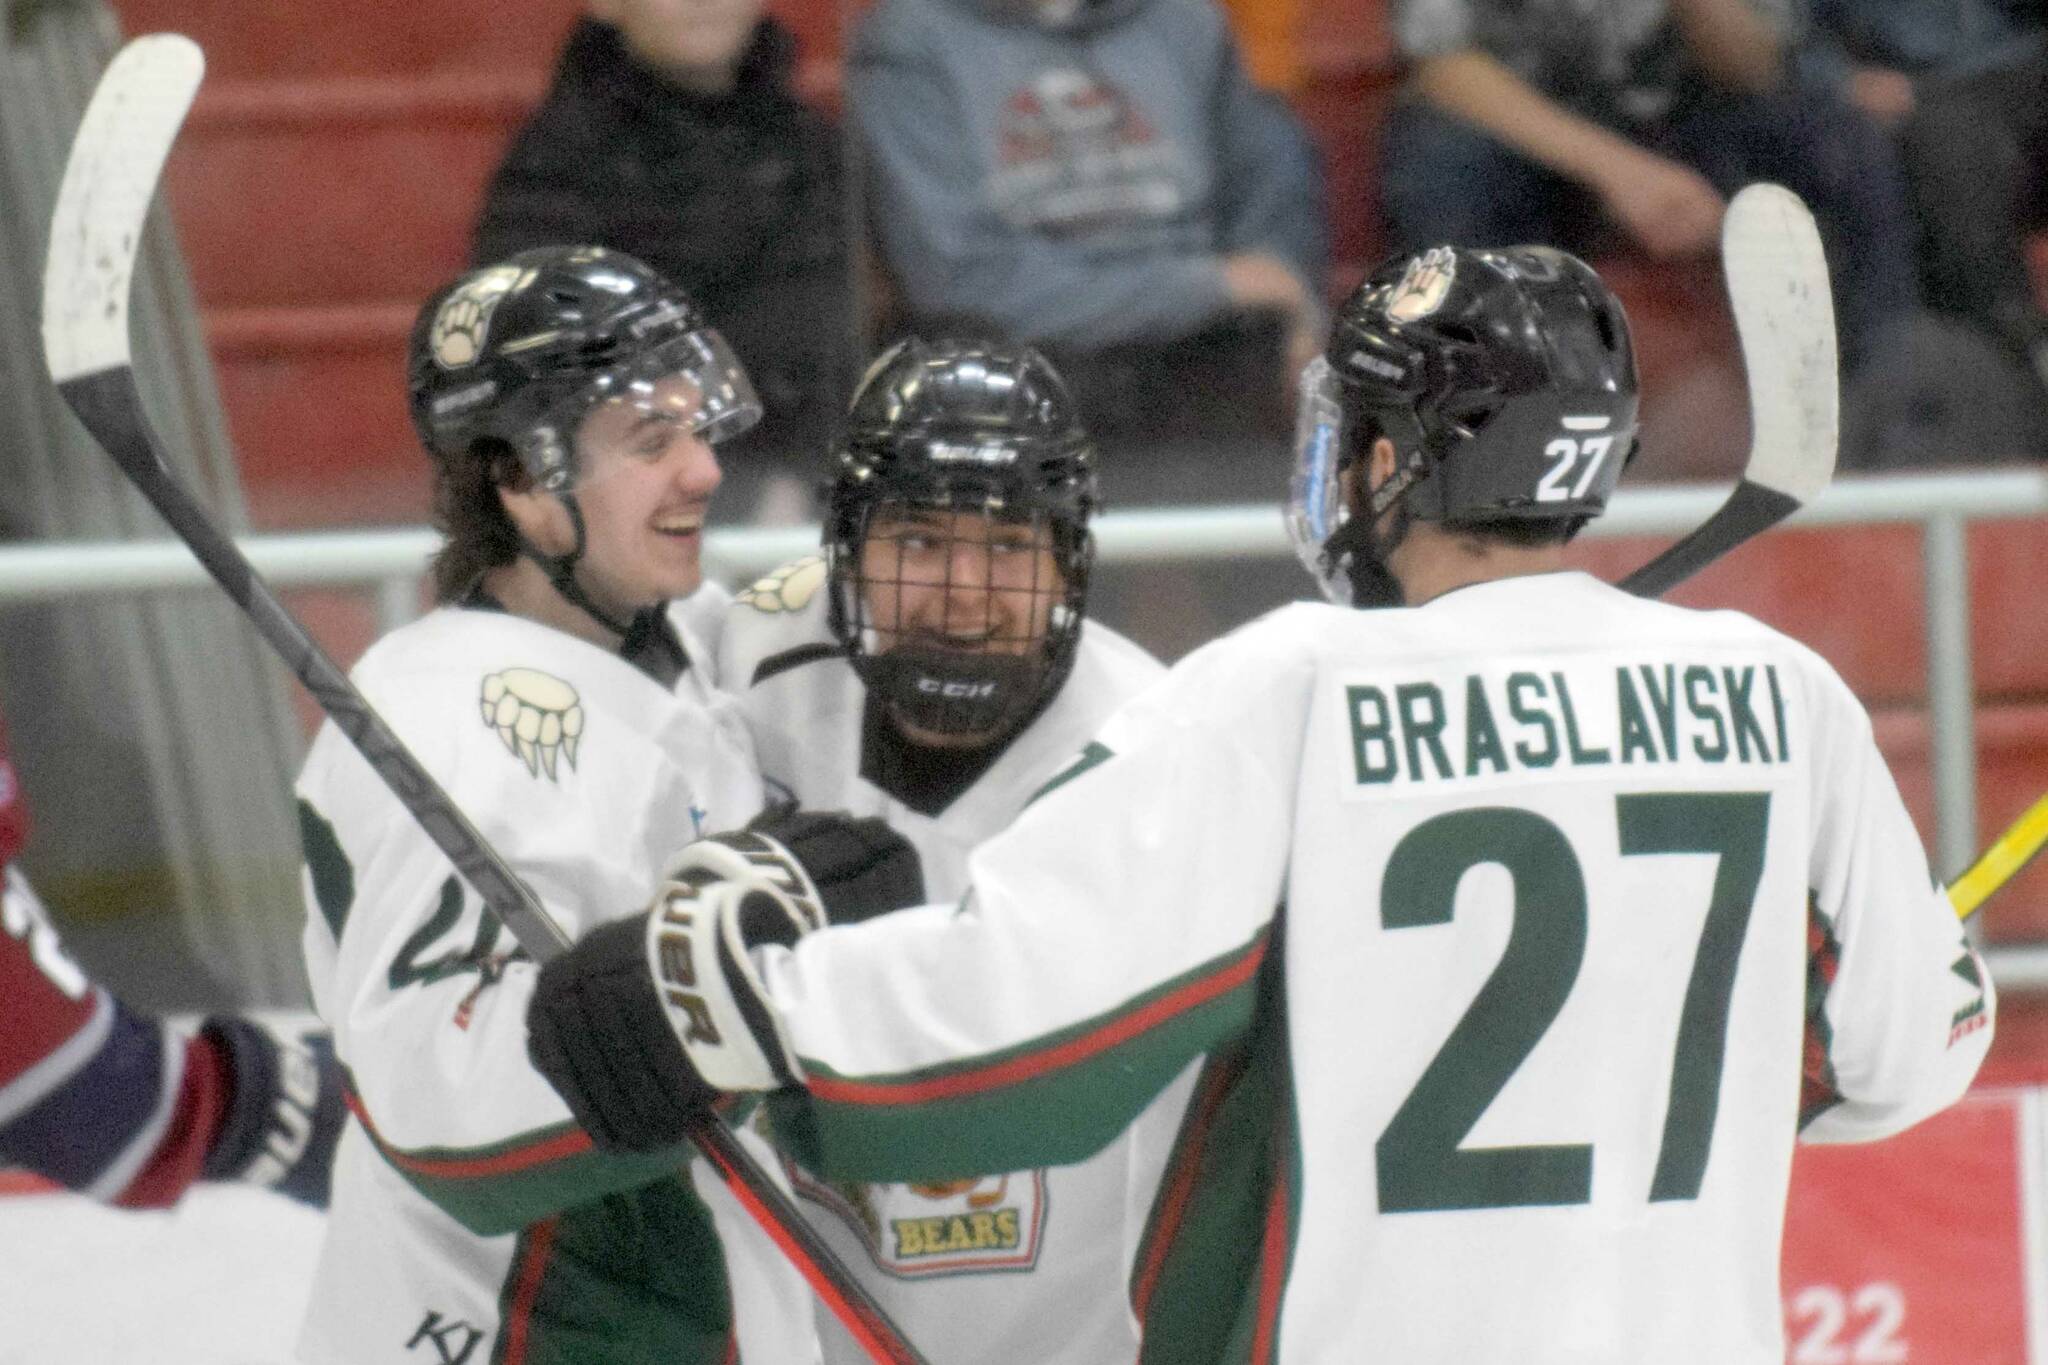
(1047, 1101)
(525, 1283)
(1274, 1247)
(1818, 1090)
(508, 1185)
(1178, 1189)
(521, 1153)
(1219, 978)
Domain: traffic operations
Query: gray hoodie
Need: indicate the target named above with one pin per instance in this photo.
(1076, 183)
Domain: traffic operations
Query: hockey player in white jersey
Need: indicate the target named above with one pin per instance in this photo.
(570, 399)
(934, 669)
(1505, 888)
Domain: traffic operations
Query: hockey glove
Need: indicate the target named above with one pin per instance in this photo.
(649, 1019)
(284, 1110)
(854, 868)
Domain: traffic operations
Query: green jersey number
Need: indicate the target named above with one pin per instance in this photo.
(1421, 1165)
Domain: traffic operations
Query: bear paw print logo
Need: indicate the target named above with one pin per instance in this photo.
(1423, 285)
(537, 715)
(789, 588)
(464, 318)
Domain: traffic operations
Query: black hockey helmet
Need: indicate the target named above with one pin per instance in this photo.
(1505, 379)
(520, 351)
(962, 427)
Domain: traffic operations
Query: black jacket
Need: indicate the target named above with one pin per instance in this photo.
(736, 197)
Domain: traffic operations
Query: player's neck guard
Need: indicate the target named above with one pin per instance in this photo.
(957, 694)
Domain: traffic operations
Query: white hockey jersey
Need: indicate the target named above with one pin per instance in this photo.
(1522, 1041)
(1027, 1266)
(471, 1219)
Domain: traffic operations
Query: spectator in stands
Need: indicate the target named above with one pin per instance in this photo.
(1098, 178)
(1964, 83)
(1559, 120)
(672, 133)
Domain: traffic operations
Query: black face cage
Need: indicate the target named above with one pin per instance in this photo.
(944, 627)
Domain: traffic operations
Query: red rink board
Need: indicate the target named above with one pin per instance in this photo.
(1913, 1251)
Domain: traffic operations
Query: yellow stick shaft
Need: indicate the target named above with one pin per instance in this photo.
(2002, 861)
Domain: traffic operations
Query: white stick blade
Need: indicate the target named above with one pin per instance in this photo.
(1785, 318)
(96, 230)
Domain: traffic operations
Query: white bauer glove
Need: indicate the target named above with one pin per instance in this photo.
(649, 1019)
(696, 941)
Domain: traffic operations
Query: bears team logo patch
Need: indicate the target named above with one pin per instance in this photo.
(955, 1227)
(537, 715)
(789, 588)
(464, 318)
(1423, 285)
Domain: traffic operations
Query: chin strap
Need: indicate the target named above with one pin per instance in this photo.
(1363, 559)
(561, 572)
(644, 638)
(1358, 550)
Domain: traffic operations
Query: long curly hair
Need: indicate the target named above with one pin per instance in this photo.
(477, 535)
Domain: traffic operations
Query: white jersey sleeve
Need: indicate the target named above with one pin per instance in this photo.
(1180, 817)
(1900, 1005)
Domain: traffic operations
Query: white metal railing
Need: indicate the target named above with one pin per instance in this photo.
(393, 563)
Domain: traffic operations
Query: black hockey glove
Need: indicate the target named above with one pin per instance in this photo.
(284, 1112)
(649, 1019)
(860, 867)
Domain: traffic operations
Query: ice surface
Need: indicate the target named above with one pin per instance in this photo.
(220, 1280)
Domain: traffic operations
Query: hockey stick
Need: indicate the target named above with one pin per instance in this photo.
(1784, 318)
(95, 234)
(2001, 862)
(1785, 321)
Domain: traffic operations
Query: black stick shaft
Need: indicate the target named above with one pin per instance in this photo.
(1750, 509)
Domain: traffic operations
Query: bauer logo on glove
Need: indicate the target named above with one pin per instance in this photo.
(647, 1019)
(698, 935)
(675, 966)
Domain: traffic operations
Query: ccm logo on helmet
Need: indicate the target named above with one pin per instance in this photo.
(956, 691)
